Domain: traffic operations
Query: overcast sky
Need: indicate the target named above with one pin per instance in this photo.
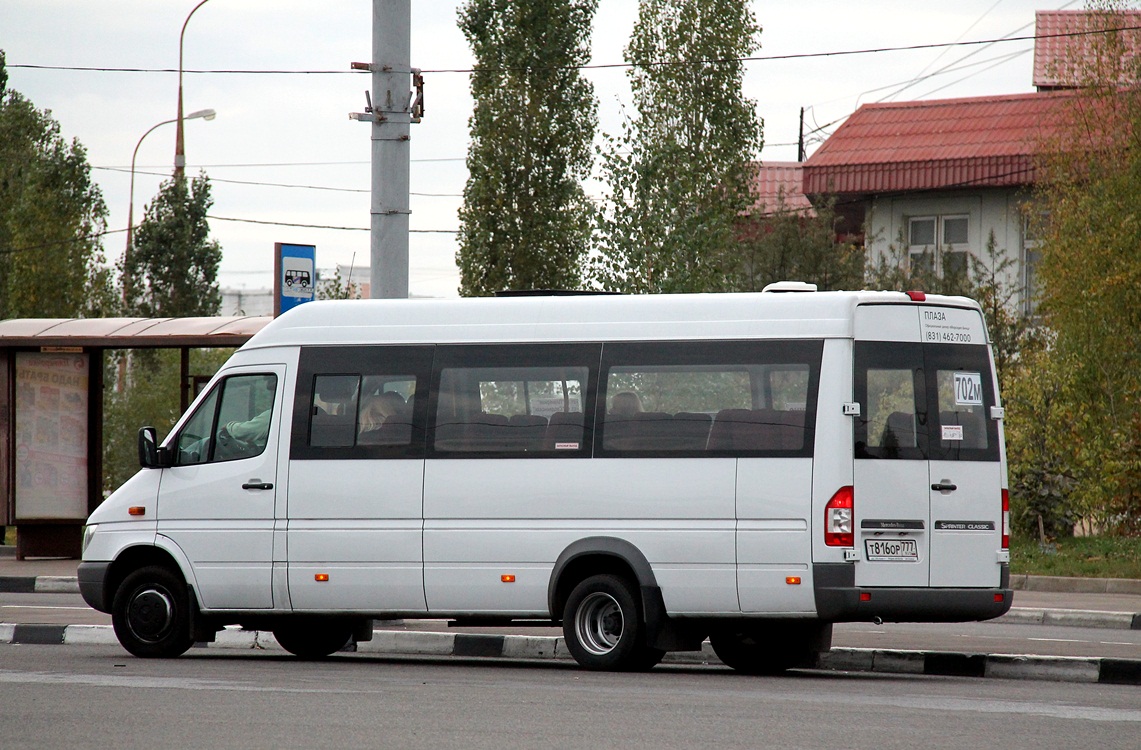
(278, 138)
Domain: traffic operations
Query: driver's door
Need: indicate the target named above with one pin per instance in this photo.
(217, 502)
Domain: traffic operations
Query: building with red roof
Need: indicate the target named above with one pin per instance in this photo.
(1063, 43)
(938, 177)
(779, 186)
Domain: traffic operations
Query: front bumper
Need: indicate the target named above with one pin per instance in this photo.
(92, 577)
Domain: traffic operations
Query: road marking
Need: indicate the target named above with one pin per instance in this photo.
(30, 606)
(1059, 640)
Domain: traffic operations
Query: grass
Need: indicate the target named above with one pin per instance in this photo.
(10, 535)
(1085, 557)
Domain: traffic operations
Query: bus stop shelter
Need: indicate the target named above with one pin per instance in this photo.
(51, 413)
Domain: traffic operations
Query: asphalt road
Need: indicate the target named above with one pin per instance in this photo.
(53, 697)
(987, 637)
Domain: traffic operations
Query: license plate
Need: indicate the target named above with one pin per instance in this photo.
(892, 549)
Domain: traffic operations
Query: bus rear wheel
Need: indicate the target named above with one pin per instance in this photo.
(313, 637)
(603, 628)
(769, 648)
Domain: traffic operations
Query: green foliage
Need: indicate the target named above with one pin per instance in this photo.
(51, 217)
(1040, 444)
(337, 288)
(525, 222)
(785, 244)
(172, 268)
(143, 390)
(678, 175)
(1090, 273)
(1009, 327)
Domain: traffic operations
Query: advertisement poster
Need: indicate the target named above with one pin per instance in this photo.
(51, 435)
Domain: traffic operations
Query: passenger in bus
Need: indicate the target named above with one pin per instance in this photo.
(379, 410)
(625, 404)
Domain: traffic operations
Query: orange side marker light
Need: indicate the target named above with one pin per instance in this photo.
(137, 510)
(321, 577)
(792, 580)
(507, 578)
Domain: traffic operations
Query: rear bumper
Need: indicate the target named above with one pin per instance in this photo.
(838, 599)
(92, 578)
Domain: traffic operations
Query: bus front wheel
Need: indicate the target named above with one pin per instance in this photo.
(603, 628)
(151, 613)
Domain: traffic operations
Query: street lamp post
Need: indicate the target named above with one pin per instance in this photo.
(205, 114)
(179, 146)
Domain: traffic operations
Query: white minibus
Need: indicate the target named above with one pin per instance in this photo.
(645, 471)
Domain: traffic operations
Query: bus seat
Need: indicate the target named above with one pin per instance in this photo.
(564, 430)
(690, 430)
(526, 431)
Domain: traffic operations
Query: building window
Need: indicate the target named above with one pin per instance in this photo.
(939, 244)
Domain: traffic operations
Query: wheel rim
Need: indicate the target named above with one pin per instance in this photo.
(150, 615)
(599, 623)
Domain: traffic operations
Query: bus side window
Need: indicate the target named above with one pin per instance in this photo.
(238, 427)
(510, 410)
(889, 383)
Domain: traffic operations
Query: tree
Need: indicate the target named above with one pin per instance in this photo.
(786, 244)
(678, 174)
(51, 217)
(337, 288)
(525, 221)
(1091, 270)
(171, 269)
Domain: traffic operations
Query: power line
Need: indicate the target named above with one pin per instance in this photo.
(57, 243)
(600, 66)
(277, 164)
(245, 182)
(322, 226)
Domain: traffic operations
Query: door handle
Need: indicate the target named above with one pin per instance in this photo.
(257, 484)
(944, 486)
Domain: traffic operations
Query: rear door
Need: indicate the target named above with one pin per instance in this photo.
(966, 473)
(928, 474)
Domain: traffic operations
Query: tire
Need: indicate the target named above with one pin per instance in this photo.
(313, 637)
(151, 613)
(765, 649)
(603, 628)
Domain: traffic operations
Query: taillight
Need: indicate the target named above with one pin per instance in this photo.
(1006, 519)
(839, 518)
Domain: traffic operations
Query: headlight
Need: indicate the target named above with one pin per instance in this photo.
(88, 532)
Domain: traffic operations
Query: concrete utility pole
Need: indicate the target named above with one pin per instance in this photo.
(391, 72)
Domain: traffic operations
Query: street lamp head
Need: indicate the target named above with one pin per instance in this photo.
(205, 114)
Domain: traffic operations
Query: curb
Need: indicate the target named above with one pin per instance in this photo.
(1072, 618)
(39, 585)
(1067, 585)
(466, 645)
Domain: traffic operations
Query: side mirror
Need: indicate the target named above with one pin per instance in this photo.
(150, 455)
